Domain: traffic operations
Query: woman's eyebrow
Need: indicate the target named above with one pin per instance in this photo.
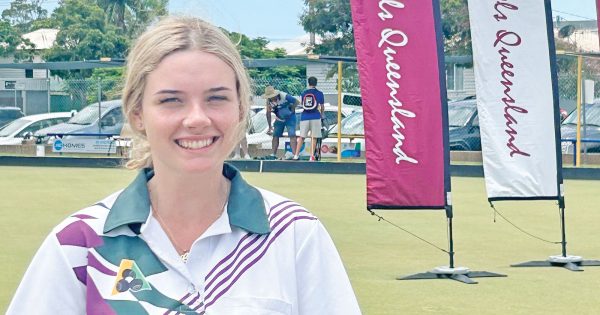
(168, 92)
(218, 89)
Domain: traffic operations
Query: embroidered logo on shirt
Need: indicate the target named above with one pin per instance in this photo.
(130, 277)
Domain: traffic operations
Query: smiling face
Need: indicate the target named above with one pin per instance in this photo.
(190, 112)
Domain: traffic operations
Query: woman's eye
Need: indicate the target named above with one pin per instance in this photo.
(169, 100)
(217, 98)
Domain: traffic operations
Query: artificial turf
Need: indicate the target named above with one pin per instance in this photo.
(34, 199)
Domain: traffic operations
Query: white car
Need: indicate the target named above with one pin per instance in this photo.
(353, 141)
(15, 132)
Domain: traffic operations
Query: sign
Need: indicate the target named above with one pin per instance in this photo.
(10, 85)
(40, 150)
(517, 100)
(329, 148)
(69, 145)
(400, 61)
(349, 150)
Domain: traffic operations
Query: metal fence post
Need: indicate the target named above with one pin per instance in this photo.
(578, 144)
(339, 118)
(48, 89)
(99, 105)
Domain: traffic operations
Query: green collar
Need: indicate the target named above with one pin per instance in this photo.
(245, 207)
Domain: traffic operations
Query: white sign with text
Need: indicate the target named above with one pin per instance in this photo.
(83, 145)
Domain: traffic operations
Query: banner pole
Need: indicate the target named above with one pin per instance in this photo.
(578, 138)
(563, 231)
(451, 243)
(570, 262)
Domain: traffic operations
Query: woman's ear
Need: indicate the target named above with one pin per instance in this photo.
(137, 121)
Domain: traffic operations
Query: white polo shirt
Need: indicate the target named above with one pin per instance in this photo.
(264, 255)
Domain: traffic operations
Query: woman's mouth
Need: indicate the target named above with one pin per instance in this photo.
(195, 144)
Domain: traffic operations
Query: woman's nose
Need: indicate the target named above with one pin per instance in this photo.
(196, 117)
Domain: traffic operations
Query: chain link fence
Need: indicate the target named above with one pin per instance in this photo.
(574, 73)
(69, 95)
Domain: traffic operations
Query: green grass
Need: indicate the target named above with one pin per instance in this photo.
(375, 253)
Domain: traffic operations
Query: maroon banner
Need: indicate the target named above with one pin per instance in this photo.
(400, 63)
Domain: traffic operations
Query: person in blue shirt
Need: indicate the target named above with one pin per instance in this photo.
(283, 106)
(310, 120)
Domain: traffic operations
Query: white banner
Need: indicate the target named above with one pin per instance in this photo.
(83, 145)
(518, 110)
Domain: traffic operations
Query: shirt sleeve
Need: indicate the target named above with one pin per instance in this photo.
(290, 99)
(321, 99)
(49, 285)
(323, 286)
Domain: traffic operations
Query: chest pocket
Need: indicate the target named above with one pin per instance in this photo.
(249, 305)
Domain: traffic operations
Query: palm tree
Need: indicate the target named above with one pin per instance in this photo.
(133, 15)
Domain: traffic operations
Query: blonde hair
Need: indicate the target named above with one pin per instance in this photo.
(170, 35)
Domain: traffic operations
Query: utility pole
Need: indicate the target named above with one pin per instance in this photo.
(311, 11)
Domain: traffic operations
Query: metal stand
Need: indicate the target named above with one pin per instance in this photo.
(461, 274)
(566, 261)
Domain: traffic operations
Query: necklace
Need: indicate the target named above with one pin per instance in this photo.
(183, 253)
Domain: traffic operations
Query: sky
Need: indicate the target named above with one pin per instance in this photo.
(278, 20)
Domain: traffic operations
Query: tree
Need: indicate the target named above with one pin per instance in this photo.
(456, 27)
(286, 76)
(13, 45)
(332, 21)
(22, 13)
(132, 16)
(84, 34)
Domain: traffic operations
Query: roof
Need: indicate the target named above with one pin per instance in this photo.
(295, 46)
(579, 25)
(64, 65)
(47, 115)
(43, 38)
(109, 104)
(91, 64)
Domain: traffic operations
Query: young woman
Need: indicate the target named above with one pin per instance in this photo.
(188, 235)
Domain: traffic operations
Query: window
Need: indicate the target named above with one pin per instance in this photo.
(454, 77)
(112, 118)
(33, 128)
(10, 85)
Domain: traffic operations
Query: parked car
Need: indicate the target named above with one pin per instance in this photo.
(353, 125)
(18, 130)
(104, 118)
(353, 141)
(8, 114)
(463, 123)
(255, 109)
(591, 130)
(462, 119)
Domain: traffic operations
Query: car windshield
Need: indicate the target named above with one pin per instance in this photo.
(258, 123)
(13, 126)
(592, 116)
(86, 116)
(458, 116)
(353, 124)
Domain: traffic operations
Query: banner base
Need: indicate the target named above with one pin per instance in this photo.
(569, 262)
(461, 274)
